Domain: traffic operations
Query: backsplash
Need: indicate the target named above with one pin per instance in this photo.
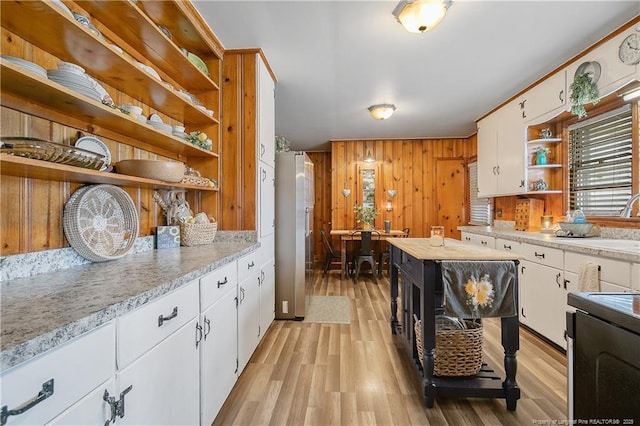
(30, 264)
(604, 232)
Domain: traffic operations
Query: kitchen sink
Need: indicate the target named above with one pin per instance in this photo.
(632, 246)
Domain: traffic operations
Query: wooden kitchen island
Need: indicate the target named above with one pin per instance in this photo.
(416, 264)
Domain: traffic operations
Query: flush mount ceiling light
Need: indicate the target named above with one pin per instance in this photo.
(382, 111)
(418, 16)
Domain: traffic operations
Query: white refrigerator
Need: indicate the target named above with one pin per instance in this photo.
(294, 200)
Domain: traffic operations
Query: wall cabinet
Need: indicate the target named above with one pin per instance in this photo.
(545, 100)
(501, 138)
(614, 74)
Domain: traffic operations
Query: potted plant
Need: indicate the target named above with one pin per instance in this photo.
(366, 215)
(583, 90)
(541, 153)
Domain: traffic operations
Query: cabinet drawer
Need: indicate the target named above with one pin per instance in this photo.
(145, 327)
(612, 271)
(215, 284)
(76, 367)
(248, 265)
(543, 255)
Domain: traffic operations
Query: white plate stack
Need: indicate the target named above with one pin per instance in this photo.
(29, 66)
(77, 83)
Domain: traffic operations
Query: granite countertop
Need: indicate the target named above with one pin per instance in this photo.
(422, 249)
(579, 245)
(42, 311)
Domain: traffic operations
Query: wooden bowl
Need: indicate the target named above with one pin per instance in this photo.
(168, 171)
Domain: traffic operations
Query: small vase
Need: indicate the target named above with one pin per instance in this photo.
(366, 226)
(541, 158)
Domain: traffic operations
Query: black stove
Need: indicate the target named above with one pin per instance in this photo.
(622, 309)
(603, 354)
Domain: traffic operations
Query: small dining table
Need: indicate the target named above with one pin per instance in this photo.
(354, 235)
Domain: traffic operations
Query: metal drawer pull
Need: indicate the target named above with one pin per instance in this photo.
(558, 281)
(507, 247)
(539, 255)
(162, 319)
(46, 392)
(198, 334)
(484, 243)
(117, 407)
(221, 283)
(207, 327)
(251, 265)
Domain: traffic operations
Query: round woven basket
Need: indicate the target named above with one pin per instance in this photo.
(193, 234)
(458, 352)
(101, 222)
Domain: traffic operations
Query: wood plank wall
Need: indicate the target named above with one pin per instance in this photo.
(431, 189)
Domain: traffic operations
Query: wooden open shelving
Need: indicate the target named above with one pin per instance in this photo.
(37, 169)
(102, 61)
(57, 99)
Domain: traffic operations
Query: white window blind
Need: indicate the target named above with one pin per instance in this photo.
(480, 208)
(600, 163)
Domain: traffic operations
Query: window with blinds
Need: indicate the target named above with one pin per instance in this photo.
(600, 163)
(480, 208)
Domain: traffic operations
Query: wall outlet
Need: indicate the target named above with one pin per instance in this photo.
(285, 306)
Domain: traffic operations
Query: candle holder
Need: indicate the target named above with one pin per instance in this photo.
(437, 236)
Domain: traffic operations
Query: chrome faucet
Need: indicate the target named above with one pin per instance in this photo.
(626, 211)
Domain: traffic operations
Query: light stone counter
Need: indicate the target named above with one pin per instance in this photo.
(45, 310)
(589, 245)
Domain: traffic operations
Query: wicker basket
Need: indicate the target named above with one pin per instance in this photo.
(193, 234)
(458, 352)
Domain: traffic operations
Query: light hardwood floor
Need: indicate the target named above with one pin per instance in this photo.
(338, 374)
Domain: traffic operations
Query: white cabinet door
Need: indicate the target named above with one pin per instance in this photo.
(487, 161)
(546, 100)
(164, 382)
(248, 318)
(267, 295)
(266, 114)
(266, 199)
(501, 152)
(66, 374)
(510, 153)
(218, 355)
(543, 300)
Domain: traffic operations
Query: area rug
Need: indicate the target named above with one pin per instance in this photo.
(328, 309)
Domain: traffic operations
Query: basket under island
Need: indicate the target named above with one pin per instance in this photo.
(418, 263)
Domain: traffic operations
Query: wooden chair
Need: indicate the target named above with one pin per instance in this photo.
(384, 255)
(331, 255)
(366, 253)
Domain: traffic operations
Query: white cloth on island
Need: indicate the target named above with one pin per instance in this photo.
(589, 277)
(479, 289)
